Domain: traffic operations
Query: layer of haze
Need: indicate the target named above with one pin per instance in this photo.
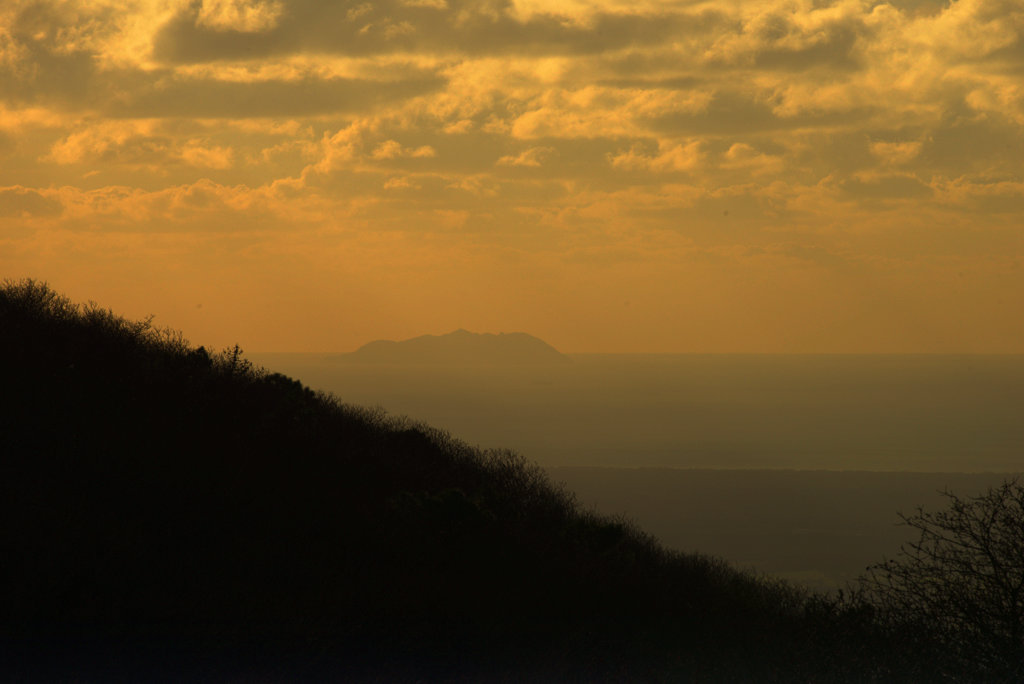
(924, 413)
(726, 176)
(759, 459)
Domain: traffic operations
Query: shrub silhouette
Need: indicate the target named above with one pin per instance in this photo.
(173, 514)
(961, 583)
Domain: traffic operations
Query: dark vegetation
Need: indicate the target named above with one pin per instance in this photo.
(171, 514)
(962, 581)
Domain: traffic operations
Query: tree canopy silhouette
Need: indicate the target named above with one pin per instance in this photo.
(962, 580)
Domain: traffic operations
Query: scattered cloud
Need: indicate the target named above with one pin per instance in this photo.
(744, 156)
(389, 149)
(668, 157)
(196, 154)
(849, 136)
(896, 153)
(242, 16)
(533, 156)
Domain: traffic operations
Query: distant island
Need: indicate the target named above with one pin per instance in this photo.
(460, 347)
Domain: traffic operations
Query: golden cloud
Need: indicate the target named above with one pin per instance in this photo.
(776, 136)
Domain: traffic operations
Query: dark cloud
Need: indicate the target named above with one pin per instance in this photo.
(777, 42)
(972, 144)
(1012, 55)
(7, 144)
(212, 98)
(1005, 203)
(836, 50)
(43, 75)
(48, 73)
(887, 187)
(920, 6)
(655, 63)
(831, 152)
(18, 201)
(182, 40)
(49, 67)
(675, 83)
(72, 83)
(361, 28)
(735, 113)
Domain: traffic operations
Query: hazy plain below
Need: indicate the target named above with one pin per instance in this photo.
(794, 465)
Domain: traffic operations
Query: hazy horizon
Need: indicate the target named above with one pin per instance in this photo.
(791, 464)
(954, 413)
(569, 352)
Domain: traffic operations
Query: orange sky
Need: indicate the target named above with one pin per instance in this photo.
(726, 176)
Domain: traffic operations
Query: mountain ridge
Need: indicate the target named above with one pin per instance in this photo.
(460, 347)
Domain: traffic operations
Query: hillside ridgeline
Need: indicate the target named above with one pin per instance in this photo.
(175, 515)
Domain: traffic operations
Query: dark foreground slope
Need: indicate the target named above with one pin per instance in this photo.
(171, 515)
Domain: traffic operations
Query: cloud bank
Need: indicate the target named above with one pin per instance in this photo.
(779, 175)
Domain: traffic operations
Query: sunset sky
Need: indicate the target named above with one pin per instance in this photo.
(621, 176)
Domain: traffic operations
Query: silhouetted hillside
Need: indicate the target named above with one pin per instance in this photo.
(171, 514)
(460, 347)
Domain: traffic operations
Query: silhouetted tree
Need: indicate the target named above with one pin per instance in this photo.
(962, 581)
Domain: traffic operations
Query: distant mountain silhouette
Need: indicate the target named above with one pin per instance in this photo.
(460, 347)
